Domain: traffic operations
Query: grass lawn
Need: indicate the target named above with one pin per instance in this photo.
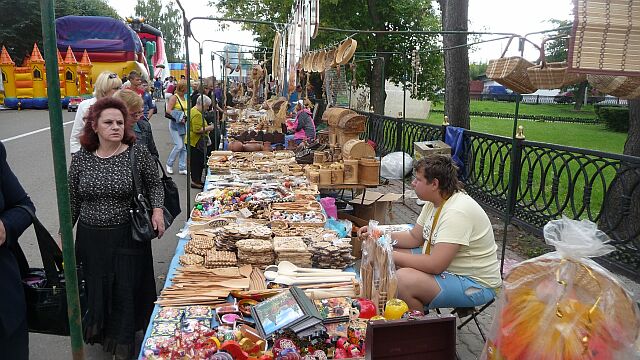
(585, 136)
(563, 110)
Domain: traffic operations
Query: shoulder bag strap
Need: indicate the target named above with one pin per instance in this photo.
(135, 176)
(49, 250)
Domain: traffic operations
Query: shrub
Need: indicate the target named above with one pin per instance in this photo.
(615, 117)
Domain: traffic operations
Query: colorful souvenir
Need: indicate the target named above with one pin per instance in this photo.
(394, 309)
(366, 307)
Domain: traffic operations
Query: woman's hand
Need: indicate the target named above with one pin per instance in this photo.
(157, 219)
(363, 231)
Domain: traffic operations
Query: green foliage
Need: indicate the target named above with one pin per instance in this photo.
(169, 22)
(360, 14)
(616, 118)
(562, 110)
(556, 50)
(21, 25)
(477, 69)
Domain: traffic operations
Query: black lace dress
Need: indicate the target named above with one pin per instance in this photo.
(118, 270)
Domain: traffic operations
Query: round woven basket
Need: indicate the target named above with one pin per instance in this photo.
(330, 59)
(318, 61)
(345, 51)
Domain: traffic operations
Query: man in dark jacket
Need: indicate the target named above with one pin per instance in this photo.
(14, 337)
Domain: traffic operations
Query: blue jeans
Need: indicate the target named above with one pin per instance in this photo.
(457, 290)
(179, 150)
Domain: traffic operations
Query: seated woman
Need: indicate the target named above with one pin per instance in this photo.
(303, 127)
(449, 258)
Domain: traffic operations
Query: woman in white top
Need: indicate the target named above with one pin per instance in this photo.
(106, 84)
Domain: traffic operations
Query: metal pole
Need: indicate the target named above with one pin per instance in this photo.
(512, 187)
(187, 32)
(404, 117)
(47, 15)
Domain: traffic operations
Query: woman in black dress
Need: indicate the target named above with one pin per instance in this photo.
(118, 271)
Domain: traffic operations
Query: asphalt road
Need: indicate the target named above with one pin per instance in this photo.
(28, 142)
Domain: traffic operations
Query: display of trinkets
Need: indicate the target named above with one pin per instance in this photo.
(218, 259)
(292, 249)
(308, 218)
(333, 254)
(255, 252)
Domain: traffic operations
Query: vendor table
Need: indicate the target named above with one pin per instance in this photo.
(351, 187)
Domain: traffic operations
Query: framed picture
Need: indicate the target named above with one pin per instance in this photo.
(289, 309)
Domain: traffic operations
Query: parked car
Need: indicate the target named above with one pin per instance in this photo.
(73, 104)
(498, 93)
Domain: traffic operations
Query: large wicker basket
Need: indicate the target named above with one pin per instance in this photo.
(552, 75)
(511, 72)
(625, 87)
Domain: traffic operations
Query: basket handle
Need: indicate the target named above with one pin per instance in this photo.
(518, 36)
(543, 58)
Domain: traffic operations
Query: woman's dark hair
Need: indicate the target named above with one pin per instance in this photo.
(441, 167)
(89, 138)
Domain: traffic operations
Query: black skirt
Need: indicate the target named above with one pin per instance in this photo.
(121, 289)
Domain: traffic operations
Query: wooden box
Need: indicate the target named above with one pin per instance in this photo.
(424, 148)
(429, 337)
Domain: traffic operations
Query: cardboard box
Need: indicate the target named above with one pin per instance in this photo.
(424, 148)
(376, 206)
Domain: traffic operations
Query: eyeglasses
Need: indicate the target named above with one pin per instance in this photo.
(137, 114)
(113, 76)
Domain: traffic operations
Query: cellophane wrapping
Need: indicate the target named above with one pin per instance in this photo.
(563, 305)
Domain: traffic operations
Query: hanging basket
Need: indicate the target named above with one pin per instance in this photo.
(552, 75)
(625, 87)
(605, 39)
(511, 72)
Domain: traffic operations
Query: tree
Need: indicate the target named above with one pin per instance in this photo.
(369, 15)
(455, 17)
(21, 25)
(169, 22)
(477, 69)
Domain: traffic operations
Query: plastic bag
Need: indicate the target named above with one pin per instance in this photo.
(329, 206)
(563, 305)
(391, 166)
(378, 280)
(341, 227)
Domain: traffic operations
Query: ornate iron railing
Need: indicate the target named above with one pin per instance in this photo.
(551, 181)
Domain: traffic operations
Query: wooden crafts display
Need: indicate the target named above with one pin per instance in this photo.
(377, 271)
(344, 125)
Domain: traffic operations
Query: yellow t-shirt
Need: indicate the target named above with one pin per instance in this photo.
(195, 126)
(179, 102)
(463, 221)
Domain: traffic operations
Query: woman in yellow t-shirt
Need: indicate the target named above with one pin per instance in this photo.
(198, 140)
(449, 258)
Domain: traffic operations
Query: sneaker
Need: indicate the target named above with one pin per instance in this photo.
(169, 170)
(182, 172)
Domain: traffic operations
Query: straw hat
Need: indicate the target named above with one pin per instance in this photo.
(345, 51)
(275, 61)
(318, 61)
(330, 59)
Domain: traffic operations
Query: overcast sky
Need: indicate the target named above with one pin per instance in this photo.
(513, 16)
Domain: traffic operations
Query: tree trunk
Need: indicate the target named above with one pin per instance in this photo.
(579, 95)
(621, 207)
(455, 16)
(378, 77)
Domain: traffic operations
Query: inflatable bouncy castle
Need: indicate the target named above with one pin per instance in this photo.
(111, 44)
(25, 87)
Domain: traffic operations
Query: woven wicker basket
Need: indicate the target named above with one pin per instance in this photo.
(552, 75)
(511, 72)
(625, 87)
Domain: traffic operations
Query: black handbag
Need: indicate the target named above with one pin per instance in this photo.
(140, 213)
(171, 193)
(44, 288)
